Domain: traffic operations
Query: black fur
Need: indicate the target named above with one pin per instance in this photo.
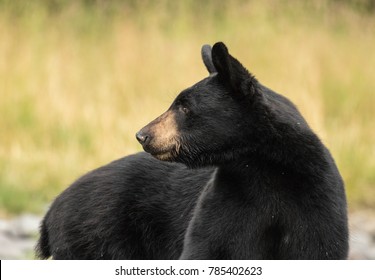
(134, 208)
(259, 184)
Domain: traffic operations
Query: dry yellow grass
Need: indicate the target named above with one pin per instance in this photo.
(77, 84)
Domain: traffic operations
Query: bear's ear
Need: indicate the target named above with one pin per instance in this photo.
(230, 70)
(221, 59)
(207, 59)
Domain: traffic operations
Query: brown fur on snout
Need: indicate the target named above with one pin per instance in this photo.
(164, 134)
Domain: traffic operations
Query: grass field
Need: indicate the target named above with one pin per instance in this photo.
(78, 80)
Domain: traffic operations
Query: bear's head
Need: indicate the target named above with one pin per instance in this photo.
(211, 122)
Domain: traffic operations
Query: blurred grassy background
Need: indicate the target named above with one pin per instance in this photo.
(79, 78)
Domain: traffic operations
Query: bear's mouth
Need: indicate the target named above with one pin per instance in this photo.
(164, 155)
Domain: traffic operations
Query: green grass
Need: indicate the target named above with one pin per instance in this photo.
(78, 79)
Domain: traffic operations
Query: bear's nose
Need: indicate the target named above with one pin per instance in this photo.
(142, 138)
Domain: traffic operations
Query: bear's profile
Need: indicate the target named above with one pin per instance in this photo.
(232, 171)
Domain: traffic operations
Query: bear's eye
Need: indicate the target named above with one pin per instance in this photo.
(184, 109)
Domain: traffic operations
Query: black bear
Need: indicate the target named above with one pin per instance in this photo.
(232, 171)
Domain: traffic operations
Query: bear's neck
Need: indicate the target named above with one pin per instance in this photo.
(276, 161)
